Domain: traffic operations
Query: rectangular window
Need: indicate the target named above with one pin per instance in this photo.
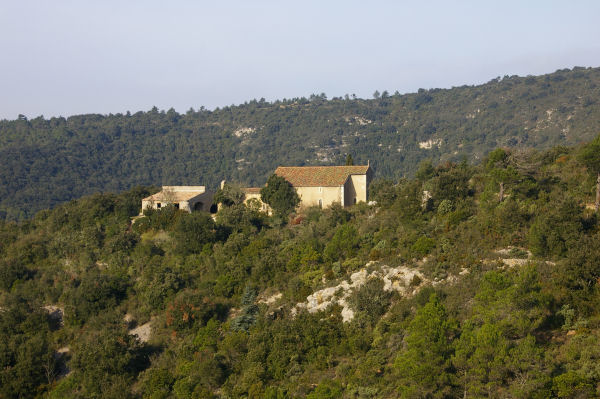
(320, 189)
(176, 206)
(158, 204)
(320, 203)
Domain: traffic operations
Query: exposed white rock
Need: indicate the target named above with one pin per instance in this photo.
(322, 155)
(347, 313)
(425, 197)
(357, 119)
(394, 279)
(142, 332)
(428, 145)
(63, 350)
(243, 131)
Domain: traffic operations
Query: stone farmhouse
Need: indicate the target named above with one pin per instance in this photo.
(186, 198)
(323, 185)
(316, 186)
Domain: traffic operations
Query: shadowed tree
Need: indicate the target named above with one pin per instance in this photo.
(280, 195)
(230, 194)
(499, 169)
(349, 160)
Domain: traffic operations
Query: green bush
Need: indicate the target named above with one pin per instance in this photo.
(344, 244)
(326, 390)
(557, 228)
(193, 231)
(94, 293)
(370, 301)
(423, 245)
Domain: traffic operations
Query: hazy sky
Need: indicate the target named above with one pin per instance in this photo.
(61, 57)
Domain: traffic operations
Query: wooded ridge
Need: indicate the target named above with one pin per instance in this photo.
(50, 161)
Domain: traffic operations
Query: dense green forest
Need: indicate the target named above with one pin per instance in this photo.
(464, 281)
(50, 161)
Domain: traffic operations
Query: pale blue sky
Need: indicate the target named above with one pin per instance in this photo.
(60, 57)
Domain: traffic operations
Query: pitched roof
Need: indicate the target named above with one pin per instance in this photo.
(176, 193)
(319, 176)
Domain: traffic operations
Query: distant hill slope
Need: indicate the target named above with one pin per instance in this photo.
(49, 161)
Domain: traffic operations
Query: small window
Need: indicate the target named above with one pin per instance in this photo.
(354, 200)
(158, 204)
(320, 203)
(320, 189)
(176, 206)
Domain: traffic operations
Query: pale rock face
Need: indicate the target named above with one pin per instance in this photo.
(359, 120)
(244, 131)
(142, 332)
(429, 144)
(394, 279)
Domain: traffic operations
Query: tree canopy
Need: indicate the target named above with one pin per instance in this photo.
(280, 195)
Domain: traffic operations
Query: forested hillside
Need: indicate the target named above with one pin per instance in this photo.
(486, 287)
(50, 161)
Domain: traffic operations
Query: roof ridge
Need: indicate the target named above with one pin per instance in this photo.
(325, 166)
(320, 175)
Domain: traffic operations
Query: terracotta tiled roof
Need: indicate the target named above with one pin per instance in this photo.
(319, 176)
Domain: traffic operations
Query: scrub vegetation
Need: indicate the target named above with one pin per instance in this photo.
(504, 300)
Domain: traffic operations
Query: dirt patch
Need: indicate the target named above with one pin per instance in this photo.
(271, 299)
